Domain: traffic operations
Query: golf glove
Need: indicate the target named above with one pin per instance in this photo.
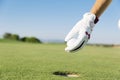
(80, 34)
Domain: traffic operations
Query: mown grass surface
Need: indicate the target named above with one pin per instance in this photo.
(24, 61)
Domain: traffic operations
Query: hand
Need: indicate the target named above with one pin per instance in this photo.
(80, 34)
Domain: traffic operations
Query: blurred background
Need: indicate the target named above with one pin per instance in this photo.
(51, 20)
(24, 22)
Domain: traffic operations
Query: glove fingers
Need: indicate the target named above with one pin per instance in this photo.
(68, 49)
(73, 32)
(78, 44)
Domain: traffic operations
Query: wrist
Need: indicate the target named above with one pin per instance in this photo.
(96, 20)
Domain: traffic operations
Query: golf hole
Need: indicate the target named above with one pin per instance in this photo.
(66, 74)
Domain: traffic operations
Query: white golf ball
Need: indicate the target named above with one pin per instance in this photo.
(71, 42)
(119, 23)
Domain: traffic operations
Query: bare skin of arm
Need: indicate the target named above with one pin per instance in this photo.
(100, 6)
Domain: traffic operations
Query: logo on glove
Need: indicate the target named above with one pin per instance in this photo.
(88, 35)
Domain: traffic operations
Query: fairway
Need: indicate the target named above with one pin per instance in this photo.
(25, 61)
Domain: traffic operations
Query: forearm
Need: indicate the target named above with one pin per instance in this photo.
(100, 6)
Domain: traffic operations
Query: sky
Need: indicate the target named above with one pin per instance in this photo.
(53, 19)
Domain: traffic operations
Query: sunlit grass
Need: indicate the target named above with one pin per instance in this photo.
(24, 61)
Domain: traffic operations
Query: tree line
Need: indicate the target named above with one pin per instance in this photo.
(16, 37)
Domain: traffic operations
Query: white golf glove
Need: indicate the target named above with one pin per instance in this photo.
(80, 34)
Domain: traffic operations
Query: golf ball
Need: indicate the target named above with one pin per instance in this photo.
(119, 23)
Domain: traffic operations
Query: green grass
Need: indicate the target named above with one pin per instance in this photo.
(24, 61)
